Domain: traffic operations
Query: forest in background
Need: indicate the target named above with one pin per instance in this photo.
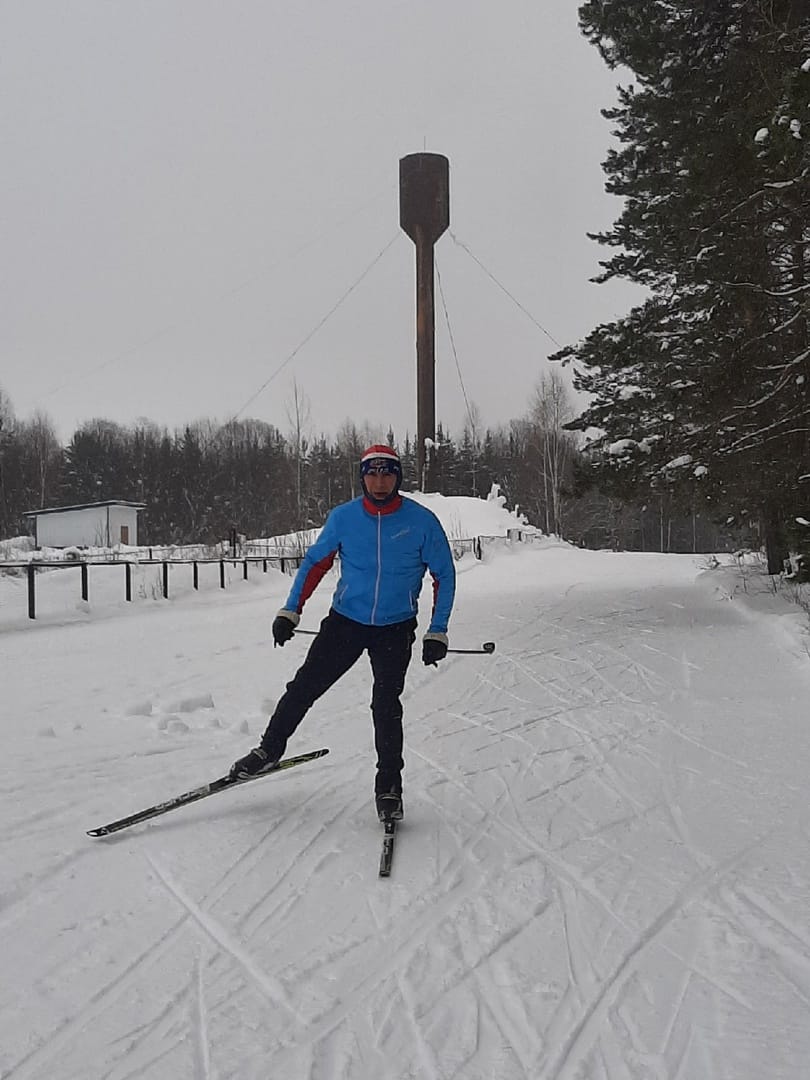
(204, 480)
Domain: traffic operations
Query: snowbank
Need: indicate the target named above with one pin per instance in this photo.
(464, 517)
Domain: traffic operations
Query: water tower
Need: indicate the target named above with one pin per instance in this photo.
(424, 214)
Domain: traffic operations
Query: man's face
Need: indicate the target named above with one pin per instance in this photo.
(380, 481)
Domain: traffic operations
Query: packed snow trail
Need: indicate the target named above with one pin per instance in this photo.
(603, 873)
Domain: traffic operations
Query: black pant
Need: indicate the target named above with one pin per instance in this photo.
(339, 644)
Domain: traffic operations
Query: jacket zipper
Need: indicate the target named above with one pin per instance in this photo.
(379, 569)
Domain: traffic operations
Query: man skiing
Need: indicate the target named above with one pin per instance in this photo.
(385, 544)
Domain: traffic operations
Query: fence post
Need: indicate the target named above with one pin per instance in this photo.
(222, 573)
(165, 581)
(85, 585)
(32, 589)
(264, 565)
(128, 573)
(196, 575)
(244, 571)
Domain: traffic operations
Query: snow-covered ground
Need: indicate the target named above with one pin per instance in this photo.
(604, 871)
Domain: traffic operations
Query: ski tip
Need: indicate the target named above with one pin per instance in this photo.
(97, 832)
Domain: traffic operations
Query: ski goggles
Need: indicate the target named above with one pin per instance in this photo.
(380, 467)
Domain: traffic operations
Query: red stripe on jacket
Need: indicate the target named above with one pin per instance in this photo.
(313, 578)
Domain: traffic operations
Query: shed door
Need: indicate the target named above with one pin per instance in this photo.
(125, 534)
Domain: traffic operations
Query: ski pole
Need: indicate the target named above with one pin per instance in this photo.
(487, 646)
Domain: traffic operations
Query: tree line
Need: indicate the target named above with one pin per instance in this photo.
(203, 480)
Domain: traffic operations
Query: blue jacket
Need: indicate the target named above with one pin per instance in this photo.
(384, 555)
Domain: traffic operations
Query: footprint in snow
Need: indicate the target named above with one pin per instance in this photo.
(139, 708)
(192, 704)
(176, 726)
(172, 724)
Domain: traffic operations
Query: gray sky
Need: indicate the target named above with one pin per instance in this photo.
(188, 188)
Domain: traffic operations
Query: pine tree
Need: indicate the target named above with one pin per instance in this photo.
(702, 392)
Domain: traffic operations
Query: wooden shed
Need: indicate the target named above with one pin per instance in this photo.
(98, 524)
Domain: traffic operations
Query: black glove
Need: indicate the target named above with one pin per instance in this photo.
(284, 626)
(434, 648)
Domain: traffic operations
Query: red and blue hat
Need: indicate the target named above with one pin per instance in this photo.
(381, 457)
(385, 459)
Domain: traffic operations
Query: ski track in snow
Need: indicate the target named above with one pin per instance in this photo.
(593, 1010)
(266, 984)
(199, 1023)
(427, 1063)
(602, 875)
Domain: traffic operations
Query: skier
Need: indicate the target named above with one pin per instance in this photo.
(385, 544)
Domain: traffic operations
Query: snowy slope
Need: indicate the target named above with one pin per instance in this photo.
(604, 870)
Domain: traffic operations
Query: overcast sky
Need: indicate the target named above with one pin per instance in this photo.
(189, 187)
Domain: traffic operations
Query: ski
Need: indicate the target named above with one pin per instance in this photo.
(387, 854)
(200, 793)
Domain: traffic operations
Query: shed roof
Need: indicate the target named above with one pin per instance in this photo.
(84, 506)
